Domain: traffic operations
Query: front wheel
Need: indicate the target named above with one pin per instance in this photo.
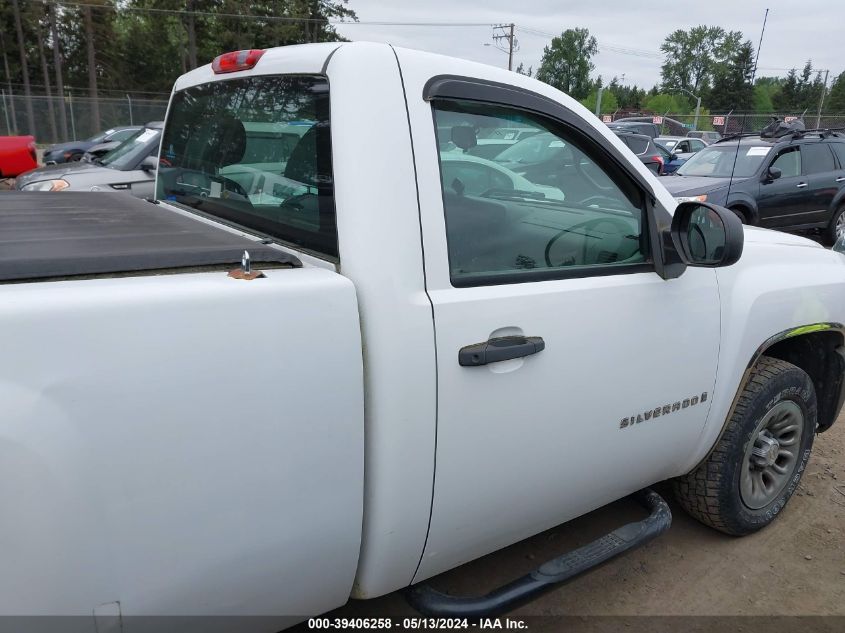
(757, 463)
(836, 229)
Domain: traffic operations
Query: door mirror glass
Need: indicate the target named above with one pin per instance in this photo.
(774, 173)
(708, 235)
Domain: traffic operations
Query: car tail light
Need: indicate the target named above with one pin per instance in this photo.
(236, 60)
(659, 160)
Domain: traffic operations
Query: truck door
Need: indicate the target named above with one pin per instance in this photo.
(569, 373)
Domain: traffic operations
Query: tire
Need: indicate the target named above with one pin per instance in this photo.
(730, 491)
(740, 213)
(829, 233)
(75, 158)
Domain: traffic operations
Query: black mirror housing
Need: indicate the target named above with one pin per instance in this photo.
(150, 163)
(707, 235)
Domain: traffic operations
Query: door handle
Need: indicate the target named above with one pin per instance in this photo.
(840, 179)
(499, 349)
(801, 185)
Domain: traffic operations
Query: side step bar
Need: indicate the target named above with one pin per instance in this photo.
(551, 574)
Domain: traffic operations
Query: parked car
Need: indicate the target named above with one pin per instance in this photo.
(708, 136)
(793, 182)
(74, 150)
(645, 149)
(671, 161)
(130, 168)
(214, 407)
(17, 155)
(651, 130)
(681, 146)
(101, 149)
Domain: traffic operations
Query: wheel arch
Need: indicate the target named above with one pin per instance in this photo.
(818, 349)
(748, 207)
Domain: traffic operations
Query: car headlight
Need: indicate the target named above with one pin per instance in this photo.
(46, 185)
(701, 198)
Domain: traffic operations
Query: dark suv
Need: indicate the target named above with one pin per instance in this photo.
(645, 149)
(793, 182)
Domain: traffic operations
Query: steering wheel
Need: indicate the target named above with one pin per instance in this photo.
(624, 229)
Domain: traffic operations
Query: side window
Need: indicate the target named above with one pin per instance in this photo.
(696, 145)
(817, 158)
(551, 203)
(789, 162)
(839, 150)
(683, 147)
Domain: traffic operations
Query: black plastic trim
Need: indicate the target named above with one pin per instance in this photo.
(499, 349)
(551, 574)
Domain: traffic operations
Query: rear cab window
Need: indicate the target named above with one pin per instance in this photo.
(255, 152)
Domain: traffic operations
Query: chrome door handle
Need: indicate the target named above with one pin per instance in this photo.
(801, 185)
(840, 179)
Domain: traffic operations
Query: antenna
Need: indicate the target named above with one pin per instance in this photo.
(736, 155)
(757, 56)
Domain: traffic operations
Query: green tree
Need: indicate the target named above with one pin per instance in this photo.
(609, 103)
(732, 88)
(662, 103)
(799, 92)
(836, 97)
(522, 71)
(567, 62)
(692, 56)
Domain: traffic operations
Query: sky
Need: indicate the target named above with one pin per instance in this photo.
(792, 35)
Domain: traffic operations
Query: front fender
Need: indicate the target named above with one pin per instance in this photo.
(774, 288)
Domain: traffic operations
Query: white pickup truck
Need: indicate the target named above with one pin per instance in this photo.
(423, 356)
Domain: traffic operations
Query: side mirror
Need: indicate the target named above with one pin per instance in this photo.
(707, 235)
(773, 173)
(673, 157)
(150, 163)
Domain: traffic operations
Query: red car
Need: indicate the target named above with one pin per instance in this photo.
(17, 155)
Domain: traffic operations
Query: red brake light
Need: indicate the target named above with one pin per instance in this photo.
(236, 60)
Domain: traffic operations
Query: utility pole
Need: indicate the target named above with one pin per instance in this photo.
(507, 34)
(821, 101)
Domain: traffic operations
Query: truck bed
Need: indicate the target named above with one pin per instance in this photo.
(45, 236)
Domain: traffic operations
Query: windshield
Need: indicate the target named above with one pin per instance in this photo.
(718, 161)
(132, 150)
(97, 138)
(255, 151)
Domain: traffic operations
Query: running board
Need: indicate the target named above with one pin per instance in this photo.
(551, 574)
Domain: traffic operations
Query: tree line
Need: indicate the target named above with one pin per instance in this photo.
(95, 48)
(707, 61)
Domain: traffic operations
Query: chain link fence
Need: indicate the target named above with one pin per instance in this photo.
(729, 122)
(69, 118)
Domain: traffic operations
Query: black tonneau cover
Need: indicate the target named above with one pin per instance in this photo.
(66, 234)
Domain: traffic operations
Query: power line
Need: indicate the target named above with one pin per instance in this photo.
(624, 50)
